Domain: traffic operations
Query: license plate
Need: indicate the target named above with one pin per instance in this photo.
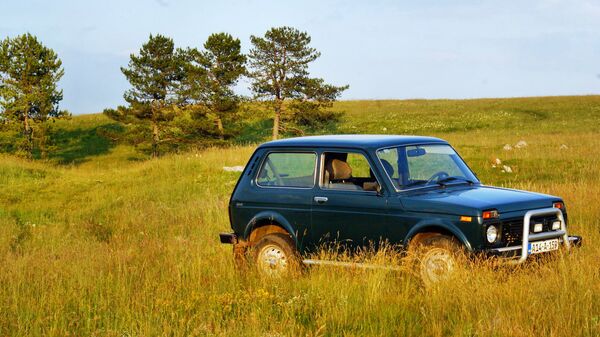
(542, 246)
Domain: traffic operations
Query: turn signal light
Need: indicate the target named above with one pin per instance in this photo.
(493, 214)
(559, 204)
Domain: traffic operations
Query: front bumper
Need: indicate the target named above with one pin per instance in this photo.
(522, 251)
(515, 251)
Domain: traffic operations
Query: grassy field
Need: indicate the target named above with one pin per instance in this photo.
(99, 241)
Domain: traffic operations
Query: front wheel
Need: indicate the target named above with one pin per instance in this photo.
(437, 258)
(275, 255)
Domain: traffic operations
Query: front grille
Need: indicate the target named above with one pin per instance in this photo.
(512, 229)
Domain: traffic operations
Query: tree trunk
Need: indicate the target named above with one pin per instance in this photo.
(42, 136)
(155, 139)
(220, 127)
(277, 119)
(27, 132)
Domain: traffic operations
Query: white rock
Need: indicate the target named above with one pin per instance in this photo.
(521, 144)
(498, 161)
(564, 147)
(233, 168)
(507, 169)
(507, 147)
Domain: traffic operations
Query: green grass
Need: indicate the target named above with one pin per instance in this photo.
(96, 241)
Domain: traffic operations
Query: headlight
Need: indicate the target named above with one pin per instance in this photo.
(556, 225)
(492, 234)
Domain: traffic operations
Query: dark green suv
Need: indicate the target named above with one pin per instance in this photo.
(298, 194)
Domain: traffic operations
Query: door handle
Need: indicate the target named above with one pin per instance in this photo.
(321, 200)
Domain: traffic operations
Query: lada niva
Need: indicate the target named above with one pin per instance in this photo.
(296, 195)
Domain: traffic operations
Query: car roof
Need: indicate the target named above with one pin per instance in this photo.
(359, 141)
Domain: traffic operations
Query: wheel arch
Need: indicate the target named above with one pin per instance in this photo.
(268, 222)
(441, 228)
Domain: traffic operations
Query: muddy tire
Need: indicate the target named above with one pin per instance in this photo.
(436, 257)
(275, 255)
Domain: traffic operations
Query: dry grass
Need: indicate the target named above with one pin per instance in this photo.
(119, 247)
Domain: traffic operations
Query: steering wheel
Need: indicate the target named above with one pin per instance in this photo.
(437, 176)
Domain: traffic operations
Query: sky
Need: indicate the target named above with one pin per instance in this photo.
(383, 49)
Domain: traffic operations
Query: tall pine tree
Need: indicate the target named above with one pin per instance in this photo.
(29, 96)
(155, 76)
(211, 76)
(279, 71)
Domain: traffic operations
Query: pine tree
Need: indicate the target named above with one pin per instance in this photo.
(279, 71)
(155, 76)
(211, 76)
(29, 96)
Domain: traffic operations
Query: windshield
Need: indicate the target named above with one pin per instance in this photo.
(424, 165)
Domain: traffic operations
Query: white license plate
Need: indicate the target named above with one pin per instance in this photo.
(542, 246)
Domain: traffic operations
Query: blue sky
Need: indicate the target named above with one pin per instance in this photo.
(382, 49)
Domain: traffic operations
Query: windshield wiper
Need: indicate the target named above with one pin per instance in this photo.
(415, 183)
(442, 182)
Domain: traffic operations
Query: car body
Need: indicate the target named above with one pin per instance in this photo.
(361, 190)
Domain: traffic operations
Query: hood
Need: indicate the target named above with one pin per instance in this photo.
(472, 200)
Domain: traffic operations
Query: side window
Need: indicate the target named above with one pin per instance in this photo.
(288, 169)
(347, 171)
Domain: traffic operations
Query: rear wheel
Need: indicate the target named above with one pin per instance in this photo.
(275, 255)
(436, 257)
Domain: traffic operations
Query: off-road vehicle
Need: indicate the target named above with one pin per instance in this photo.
(298, 194)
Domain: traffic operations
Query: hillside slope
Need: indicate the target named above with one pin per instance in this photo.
(100, 241)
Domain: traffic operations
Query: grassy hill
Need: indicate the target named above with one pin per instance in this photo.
(98, 240)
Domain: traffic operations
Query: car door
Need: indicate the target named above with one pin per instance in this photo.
(350, 212)
(281, 190)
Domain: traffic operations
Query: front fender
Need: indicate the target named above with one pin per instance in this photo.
(429, 225)
(270, 216)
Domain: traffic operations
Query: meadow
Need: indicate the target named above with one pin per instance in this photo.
(98, 240)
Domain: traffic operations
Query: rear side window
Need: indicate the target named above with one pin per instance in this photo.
(288, 169)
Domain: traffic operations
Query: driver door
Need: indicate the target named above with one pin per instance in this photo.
(348, 210)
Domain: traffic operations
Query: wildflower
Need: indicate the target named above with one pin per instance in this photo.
(507, 147)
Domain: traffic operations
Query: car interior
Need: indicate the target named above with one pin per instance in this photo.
(338, 173)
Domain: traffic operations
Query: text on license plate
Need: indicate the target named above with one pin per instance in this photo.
(542, 246)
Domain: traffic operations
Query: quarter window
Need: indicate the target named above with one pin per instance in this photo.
(288, 169)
